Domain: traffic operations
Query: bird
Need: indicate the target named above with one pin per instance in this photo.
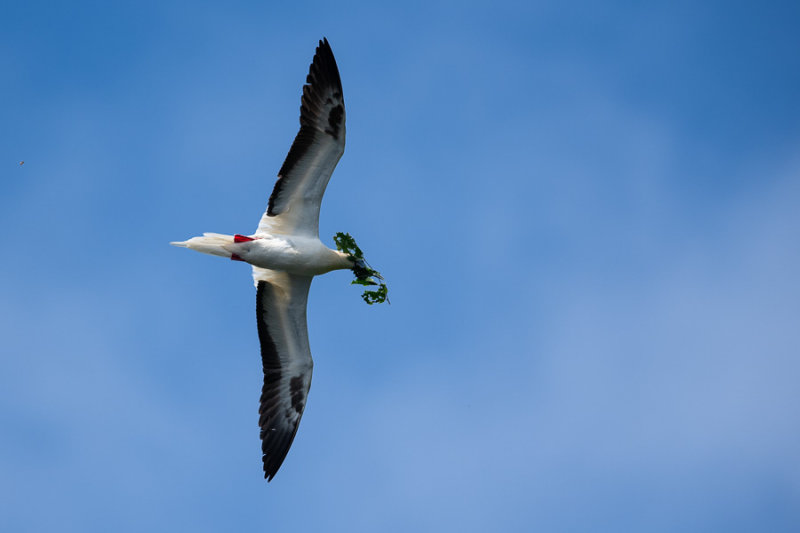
(285, 253)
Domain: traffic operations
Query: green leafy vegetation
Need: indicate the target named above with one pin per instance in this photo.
(365, 274)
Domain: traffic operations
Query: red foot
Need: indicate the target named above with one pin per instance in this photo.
(242, 238)
(235, 257)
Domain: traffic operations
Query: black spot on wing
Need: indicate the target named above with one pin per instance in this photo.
(321, 113)
(298, 392)
(335, 121)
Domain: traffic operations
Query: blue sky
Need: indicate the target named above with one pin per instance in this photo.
(587, 215)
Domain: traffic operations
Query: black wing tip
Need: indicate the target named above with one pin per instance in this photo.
(269, 473)
(275, 447)
(324, 72)
(274, 460)
(270, 468)
(324, 52)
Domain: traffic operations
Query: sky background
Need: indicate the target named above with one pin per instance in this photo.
(588, 215)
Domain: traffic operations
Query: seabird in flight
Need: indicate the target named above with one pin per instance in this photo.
(286, 253)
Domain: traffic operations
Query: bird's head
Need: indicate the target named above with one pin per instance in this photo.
(364, 274)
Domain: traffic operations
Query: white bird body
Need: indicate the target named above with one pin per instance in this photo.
(304, 256)
(300, 255)
(286, 253)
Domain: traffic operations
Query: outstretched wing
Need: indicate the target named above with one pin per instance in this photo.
(286, 357)
(295, 201)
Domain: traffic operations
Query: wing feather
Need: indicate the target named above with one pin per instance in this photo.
(281, 300)
(296, 198)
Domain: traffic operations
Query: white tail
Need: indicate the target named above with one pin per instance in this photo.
(209, 243)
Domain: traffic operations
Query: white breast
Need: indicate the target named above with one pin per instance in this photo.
(305, 256)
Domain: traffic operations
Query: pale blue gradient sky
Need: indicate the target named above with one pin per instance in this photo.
(588, 216)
